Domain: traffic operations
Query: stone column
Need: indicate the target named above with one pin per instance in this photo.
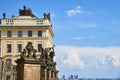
(53, 74)
(45, 74)
(56, 73)
(40, 72)
(49, 74)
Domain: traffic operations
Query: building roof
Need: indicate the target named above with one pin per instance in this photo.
(25, 18)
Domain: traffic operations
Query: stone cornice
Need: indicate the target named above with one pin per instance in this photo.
(24, 38)
(25, 25)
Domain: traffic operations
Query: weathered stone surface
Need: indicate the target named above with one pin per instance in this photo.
(29, 69)
(32, 68)
(31, 72)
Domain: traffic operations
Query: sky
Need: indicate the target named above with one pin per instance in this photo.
(87, 34)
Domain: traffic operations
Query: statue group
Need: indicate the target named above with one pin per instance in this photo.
(46, 55)
(25, 11)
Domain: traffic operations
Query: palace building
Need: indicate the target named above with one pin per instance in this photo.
(16, 32)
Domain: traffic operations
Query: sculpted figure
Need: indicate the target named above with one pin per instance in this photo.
(4, 15)
(23, 55)
(34, 55)
(47, 16)
(47, 55)
(29, 48)
(51, 55)
(25, 11)
(40, 49)
(29, 51)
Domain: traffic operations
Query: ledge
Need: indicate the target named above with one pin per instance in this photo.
(24, 25)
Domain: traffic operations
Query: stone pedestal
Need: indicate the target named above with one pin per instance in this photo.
(29, 69)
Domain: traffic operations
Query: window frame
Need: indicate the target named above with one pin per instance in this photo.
(7, 77)
(40, 33)
(19, 48)
(9, 33)
(9, 48)
(30, 33)
(19, 33)
(38, 47)
(8, 64)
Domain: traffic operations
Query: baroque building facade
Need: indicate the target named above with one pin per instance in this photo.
(16, 33)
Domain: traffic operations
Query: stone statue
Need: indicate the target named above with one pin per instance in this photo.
(41, 51)
(44, 53)
(29, 51)
(25, 11)
(47, 16)
(47, 56)
(4, 15)
(23, 55)
(51, 55)
(34, 55)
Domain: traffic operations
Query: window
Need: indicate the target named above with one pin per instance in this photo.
(8, 77)
(39, 33)
(8, 64)
(29, 33)
(9, 33)
(19, 33)
(19, 46)
(9, 47)
(0, 33)
(39, 45)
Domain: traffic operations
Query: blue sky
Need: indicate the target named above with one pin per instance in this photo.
(87, 34)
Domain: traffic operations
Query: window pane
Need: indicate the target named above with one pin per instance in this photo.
(8, 77)
(39, 45)
(39, 33)
(9, 48)
(8, 64)
(19, 33)
(9, 33)
(19, 47)
(30, 33)
(0, 33)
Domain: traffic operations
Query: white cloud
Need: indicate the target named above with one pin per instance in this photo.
(84, 25)
(92, 37)
(73, 60)
(75, 11)
(82, 38)
(88, 57)
(78, 38)
(52, 15)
